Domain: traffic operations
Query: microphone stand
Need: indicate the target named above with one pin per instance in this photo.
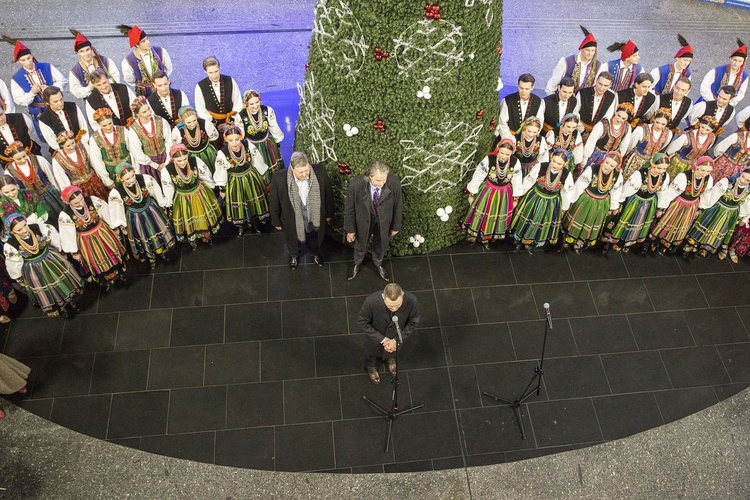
(394, 411)
(528, 391)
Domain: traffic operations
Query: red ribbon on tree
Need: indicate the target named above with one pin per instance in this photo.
(432, 11)
(493, 122)
(344, 168)
(480, 114)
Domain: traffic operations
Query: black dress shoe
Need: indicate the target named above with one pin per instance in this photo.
(383, 273)
(353, 271)
(293, 262)
(319, 260)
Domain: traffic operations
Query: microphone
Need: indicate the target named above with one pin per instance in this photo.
(549, 316)
(398, 329)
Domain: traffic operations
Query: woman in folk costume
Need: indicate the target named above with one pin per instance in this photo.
(547, 188)
(640, 205)
(198, 136)
(259, 124)
(647, 140)
(134, 209)
(609, 135)
(149, 139)
(493, 190)
(108, 146)
(35, 174)
(728, 204)
(732, 155)
(188, 190)
(72, 161)
(596, 194)
(239, 177)
(87, 235)
(20, 201)
(565, 135)
(686, 194)
(690, 145)
(33, 259)
(531, 148)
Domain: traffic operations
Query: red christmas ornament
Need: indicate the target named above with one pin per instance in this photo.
(379, 57)
(493, 122)
(500, 48)
(379, 54)
(379, 125)
(344, 168)
(307, 66)
(480, 114)
(432, 11)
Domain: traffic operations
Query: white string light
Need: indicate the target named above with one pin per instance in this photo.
(339, 37)
(316, 121)
(429, 49)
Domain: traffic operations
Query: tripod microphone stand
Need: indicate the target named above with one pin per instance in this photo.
(394, 411)
(528, 391)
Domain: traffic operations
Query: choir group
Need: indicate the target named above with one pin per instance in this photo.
(619, 158)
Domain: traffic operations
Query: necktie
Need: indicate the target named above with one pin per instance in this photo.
(376, 199)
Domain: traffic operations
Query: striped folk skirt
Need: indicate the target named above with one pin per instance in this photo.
(714, 227)
(94, 186)
(207, 155)
(154, 172)
(633, 161)
(490, 214)
(674, 225)
(246, 197)
(195, 213)
(53, 202)
(149, 233)
(631, 225)
(536, 220)
(740, 242)
(584, 220)
(102, 253)
(269, 150)
(677, 165)
(50, 280)
(724, 168)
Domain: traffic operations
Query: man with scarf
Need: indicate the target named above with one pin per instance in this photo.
(301, 204)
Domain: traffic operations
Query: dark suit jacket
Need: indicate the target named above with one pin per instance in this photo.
(282, 210)
(359, 210)
(375, 320)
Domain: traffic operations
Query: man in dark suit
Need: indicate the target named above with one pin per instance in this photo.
(374, 206)
(301, 203)
(559, 104)
(376, 320)
(640, 96)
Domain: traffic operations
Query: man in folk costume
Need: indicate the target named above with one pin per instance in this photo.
(732, 74)
(88, 61)
(559, 104)
(677, 102)
(515, 108)
(721, 109)
(166, 101)
(28, 83)
(115, 96)
(640, 97)
(666, 76)
(140, 65)
(626, 68)
(582, 67)
(595, 103)
(60, 116)
(6, 101)
(15, 127)
(217, 97)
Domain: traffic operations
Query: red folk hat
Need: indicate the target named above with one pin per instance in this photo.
(19, 50)
(588, 41)
(628, 50)
(69, 192)
(134, 33)
(741, 50)
(80, 42)
(686, 50)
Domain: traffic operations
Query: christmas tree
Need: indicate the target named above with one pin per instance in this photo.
(410, 84)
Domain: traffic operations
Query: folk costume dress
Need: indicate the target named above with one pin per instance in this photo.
(189, 192)
(27, 204)
(241, 175)
(640, 201)
(572, 143)
(149, 145)
(537, 218)
(47, 276)
(531, 153)
(263, 131)
(644, 143)
(137, 209)
(199, 141)
(36, 175)
(728, 204)
(684, 196)
(687, 148)
(494, 186)
(605, 138)
(594, 195)
(88, 232)
(78, 171)
(107, 150)
(732, 155)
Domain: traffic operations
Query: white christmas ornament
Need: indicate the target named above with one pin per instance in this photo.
(424, 93)
(419, 238)
(347, 127)
(444, 217)
(411, 239)
(416, 244)
(449, 210)
(440, 212)
(425, 90)
(355, 131)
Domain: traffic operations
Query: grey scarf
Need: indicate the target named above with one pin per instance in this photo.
(313, 203)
